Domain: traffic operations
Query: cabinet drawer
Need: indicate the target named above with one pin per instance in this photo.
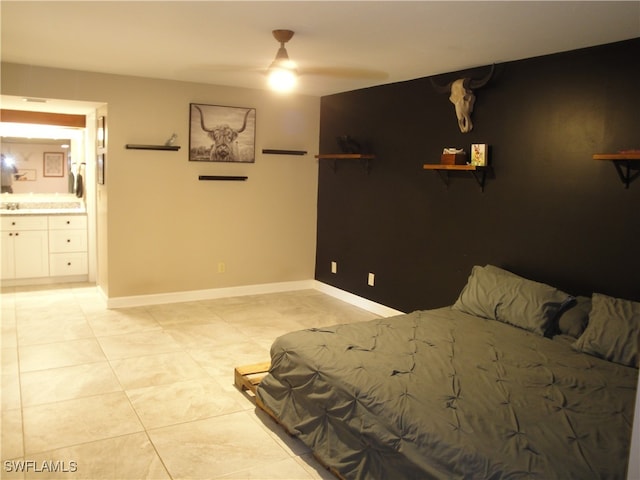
(24, 222)
(67, 222)
(67, 241)
(61, 264)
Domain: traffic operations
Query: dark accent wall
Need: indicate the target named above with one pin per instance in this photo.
(548, 212)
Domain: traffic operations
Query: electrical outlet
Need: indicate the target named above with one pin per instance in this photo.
(334, 267)
(222, 267)
(371, 280)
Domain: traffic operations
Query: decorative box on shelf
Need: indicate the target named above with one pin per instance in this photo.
(453, 159)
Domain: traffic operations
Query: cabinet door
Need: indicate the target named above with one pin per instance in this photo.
(31, 254)
(8, 264)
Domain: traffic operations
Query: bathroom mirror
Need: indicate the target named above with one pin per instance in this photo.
(47, 162)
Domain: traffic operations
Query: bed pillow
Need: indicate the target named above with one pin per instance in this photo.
(613, 331)
(498, 294)
(573, 320)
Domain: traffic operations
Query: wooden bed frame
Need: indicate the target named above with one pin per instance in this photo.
(246, 378)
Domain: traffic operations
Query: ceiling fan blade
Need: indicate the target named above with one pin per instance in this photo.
(211, 69)
(345, 72)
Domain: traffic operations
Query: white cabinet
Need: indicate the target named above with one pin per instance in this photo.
(43, 247)
(68, 245)
(25, 248)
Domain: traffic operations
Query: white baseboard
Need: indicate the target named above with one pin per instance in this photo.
(357, 301)
(196, 295)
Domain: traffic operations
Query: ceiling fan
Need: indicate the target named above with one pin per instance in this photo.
(282, 69)
(282, 74)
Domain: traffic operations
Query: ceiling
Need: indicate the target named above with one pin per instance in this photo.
(369, 42)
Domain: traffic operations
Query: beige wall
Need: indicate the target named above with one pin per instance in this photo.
(164, 231)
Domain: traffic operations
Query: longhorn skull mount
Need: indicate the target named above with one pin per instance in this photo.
(462, 97)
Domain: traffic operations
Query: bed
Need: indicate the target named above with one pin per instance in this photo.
(517, 379)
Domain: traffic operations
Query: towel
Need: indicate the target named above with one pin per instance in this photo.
(79, 186)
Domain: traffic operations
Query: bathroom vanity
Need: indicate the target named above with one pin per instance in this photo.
(43, 241)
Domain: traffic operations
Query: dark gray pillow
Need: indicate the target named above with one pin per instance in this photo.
(613, 331)
(573, 320)
(498, 294)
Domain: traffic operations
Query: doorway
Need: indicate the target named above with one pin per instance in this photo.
(75, 144)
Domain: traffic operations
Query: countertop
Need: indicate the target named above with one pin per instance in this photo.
(42, 211)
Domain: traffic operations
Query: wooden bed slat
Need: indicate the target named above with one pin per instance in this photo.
(248, 377)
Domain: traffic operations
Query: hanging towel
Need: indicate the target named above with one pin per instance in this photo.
(72, 182)
(79, 187)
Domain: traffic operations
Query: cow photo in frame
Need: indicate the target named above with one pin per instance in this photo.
(221, 134)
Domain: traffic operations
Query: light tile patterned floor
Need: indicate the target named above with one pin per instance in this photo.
(146, 392)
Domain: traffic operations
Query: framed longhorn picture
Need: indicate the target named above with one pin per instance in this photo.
(221, 134)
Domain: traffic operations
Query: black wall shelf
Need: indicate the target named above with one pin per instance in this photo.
(173, 148)
(272, 151)
(226, 178)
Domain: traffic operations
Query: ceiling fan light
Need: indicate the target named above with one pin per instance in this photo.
(282, 75)
(282, 79)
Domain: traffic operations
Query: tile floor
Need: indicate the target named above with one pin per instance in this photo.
(146, 392)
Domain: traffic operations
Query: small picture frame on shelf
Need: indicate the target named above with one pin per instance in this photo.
(479, 154)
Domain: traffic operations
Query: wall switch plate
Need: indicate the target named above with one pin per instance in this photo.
(334, 267)
(222, 267)
(371, 280)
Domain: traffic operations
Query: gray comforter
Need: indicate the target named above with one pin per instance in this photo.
(443, 394)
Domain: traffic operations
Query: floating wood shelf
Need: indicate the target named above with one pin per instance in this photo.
(366, 158)
(173, 148)
(624, 163)
(478, 172)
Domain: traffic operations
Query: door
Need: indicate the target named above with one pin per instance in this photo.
(31, 253)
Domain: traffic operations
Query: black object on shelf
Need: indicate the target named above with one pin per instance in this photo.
(348, 144)
(223, 178)
(272, 151)
(173, 148)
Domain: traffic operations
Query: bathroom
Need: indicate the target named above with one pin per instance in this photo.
(45, 204)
